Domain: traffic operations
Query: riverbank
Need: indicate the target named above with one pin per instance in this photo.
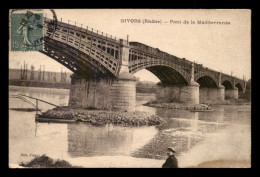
(101, 117)
(94, 162)
(121, 161)
(41, 84)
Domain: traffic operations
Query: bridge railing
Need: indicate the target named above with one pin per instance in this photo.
(83, 28)
(88, 42)
(139, 52)
(233, 77)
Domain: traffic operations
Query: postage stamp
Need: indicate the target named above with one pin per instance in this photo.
(26, 29)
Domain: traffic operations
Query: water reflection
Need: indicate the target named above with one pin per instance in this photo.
(28, 139)
(87, 140)
(56, 96)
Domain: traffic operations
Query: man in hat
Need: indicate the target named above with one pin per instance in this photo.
(171, 161)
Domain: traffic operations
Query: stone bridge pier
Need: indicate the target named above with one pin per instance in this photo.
(231, 93)
(117, 93)
(212, 94)
(103, 93)
(186, 93)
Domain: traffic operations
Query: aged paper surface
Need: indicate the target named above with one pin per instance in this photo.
(129, 88)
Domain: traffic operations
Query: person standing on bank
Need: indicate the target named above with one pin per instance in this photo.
(171, 161)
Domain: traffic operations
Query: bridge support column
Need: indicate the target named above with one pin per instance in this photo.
(123, 89)
(191, 93)
(192, 90)
(210, 94)
(105, 93)
(221, 93)
(90, 93)
(123, 92)
(187, 94)
(231, 93)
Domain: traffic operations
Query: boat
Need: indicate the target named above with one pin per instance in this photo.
(23, 109)
(52, 120)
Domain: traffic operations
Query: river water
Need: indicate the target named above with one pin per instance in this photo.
(224, 134)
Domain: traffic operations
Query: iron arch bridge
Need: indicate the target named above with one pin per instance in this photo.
(90, 54)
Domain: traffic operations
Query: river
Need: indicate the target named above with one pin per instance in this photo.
(221, 135)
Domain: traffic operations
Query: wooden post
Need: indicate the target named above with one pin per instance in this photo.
(36, 107)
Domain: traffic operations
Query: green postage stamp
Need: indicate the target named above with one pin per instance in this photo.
(26, 30)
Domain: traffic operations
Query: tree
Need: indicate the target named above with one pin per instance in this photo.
(32, 73)
(54, 77)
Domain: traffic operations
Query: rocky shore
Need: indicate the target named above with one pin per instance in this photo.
(203, 106)
(178, 106)
(101, 117)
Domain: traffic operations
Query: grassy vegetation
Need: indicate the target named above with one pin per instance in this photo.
(47, 162)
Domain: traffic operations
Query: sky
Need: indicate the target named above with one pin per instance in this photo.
(223, 48)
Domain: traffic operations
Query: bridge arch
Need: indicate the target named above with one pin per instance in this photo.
(206, 80)
(227, 84)
(239, 86)
(78, 62)
(166, 74)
